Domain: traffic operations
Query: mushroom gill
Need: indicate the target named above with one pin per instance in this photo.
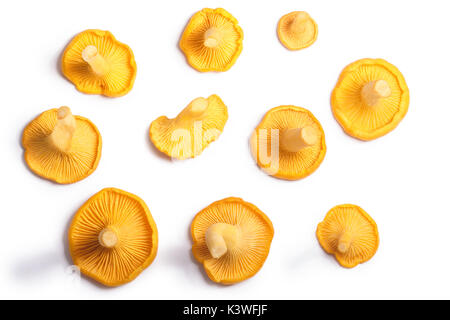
(212, 40)
(113, 237)
(231, 239)
(348, 233)
(370, 98)
(289, 143)
(96, 63)
(62, 147)
(187, 135)
(297, 30)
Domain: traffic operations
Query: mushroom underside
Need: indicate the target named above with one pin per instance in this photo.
(247, 233)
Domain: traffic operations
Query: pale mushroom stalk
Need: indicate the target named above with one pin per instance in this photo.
(373, 91)
(212, 38)
(221, 237)
(95, 60)
(344, 242)
(197, 107)
(62, 134)
(295, 139)
(108, 238)
(298, 24)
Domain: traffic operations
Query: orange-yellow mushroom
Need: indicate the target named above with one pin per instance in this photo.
(187, 135)
(348, 233)
(289, 143)
(96, 63)
(62, 147)
(231, 239)
(212, 40)
(297, 30)
(113, 237)
(370, 98)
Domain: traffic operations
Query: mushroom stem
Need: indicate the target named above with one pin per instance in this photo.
(95, 60)
(198, 107)
(298, 24)
(220, 238)
(373, 91)
(295, 139)
(212, 37)
(108, 238)
(344, 242)
(62, 134)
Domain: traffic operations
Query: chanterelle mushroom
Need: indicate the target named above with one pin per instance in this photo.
(96, 63)
(62, 147)
(212, 40)
(231, 239)
(289, 143)
(187, 135)
(297, 30)
(370, 98)
(348, 233)
(113, 237)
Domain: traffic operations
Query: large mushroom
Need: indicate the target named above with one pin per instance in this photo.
(96, 63)
(297, 30)
(212, 40)
(348, 233)
(62, 147)
(289, 143)
(370, 98)
(187, 135)
(113, 237)
(231, 239)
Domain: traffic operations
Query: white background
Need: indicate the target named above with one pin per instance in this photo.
(401, 179)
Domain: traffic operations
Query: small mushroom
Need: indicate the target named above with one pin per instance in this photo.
(297, 30)
(187, 135)
(113, 237)
(231, 239)
(289, 143)
(348, 233)
(212, 40)
(96, 63)
(62, 147)
(370, 98)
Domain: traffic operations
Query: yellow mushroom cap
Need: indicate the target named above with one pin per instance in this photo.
(297, 30)
(289, 143)
(237, 233)
(370, 98)
(348, 233)
(113, 237)
(96, 63)
(212, 40)
(62, 147)
(187, 135)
